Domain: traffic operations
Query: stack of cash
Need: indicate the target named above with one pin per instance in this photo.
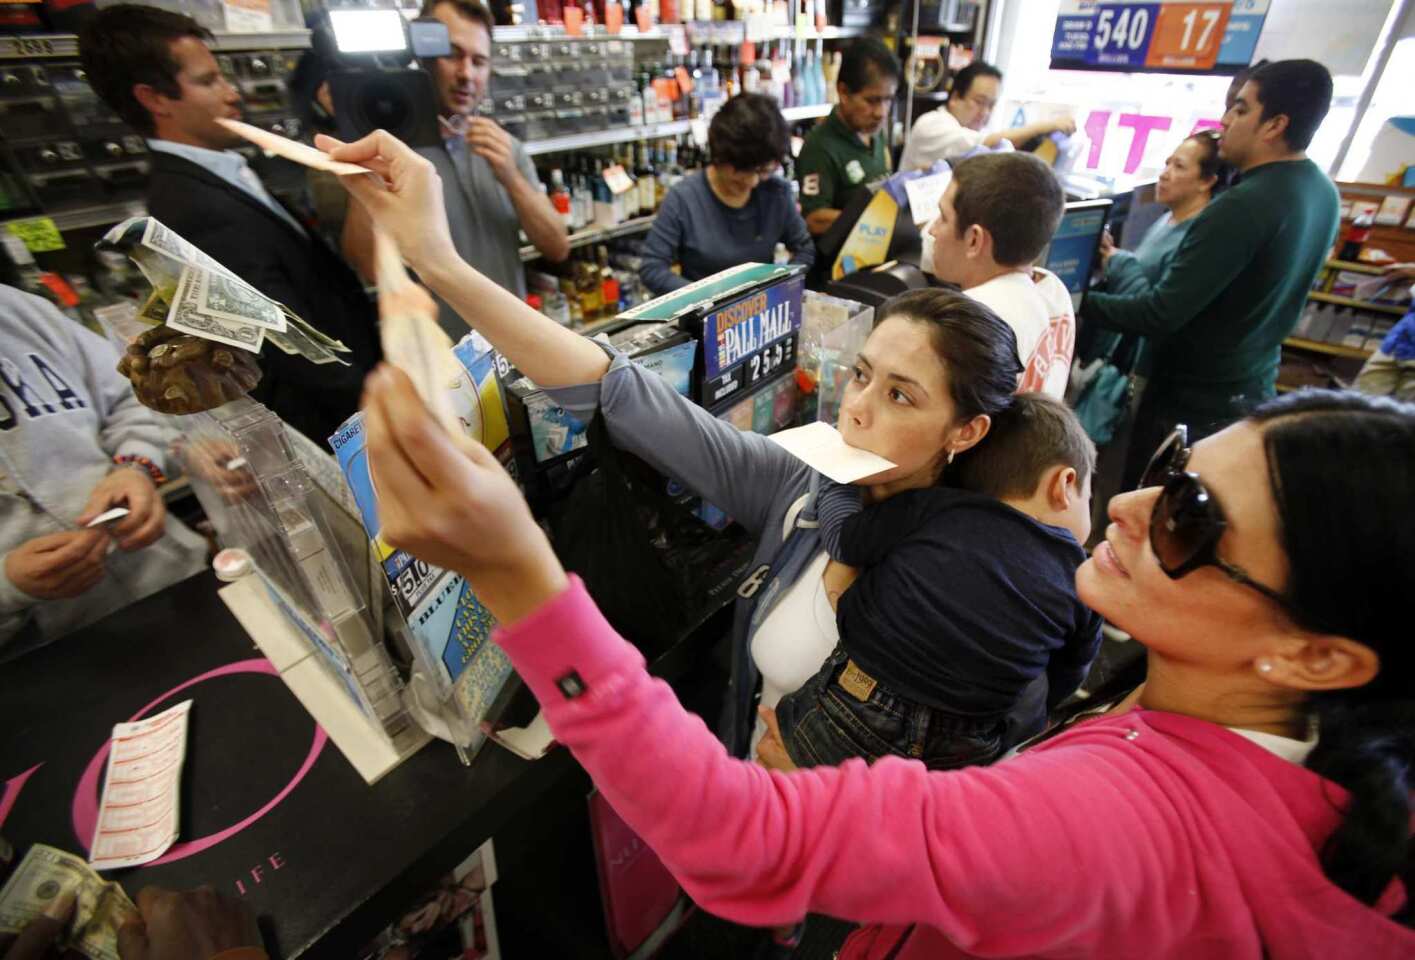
(194, 294)
(44, 875)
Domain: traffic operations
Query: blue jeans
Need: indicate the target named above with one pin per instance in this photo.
(827, 722)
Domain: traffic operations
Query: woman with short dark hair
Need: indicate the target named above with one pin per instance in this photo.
(736, 210)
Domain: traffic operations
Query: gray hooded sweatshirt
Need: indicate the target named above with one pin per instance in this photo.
(65, 412)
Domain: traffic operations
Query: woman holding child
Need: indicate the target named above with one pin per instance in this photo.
(1252, 799)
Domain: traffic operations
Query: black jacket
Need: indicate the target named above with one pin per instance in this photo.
(303, 273)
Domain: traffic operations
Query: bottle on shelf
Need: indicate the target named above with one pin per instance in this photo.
(587, 288)
(832, 76)
(608, 285)
(648, 183)
(560, 197)
(1356, 236)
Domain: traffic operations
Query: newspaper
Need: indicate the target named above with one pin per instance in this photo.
(45, 874)
(196, 295)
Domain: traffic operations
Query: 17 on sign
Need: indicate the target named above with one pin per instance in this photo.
(1188, 35)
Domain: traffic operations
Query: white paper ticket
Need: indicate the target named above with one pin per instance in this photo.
(820, 446)
(138, 817)
(290, 149)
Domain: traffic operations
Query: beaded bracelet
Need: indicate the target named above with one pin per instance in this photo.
(154, 472)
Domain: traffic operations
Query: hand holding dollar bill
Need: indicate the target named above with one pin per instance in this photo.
(43, 878)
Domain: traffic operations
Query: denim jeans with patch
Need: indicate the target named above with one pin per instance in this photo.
(824, 724)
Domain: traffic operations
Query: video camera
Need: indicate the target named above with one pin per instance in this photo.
(372, 85)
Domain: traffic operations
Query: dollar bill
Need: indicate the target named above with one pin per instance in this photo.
(100, 907)
(185, 315)
(230, 298)
(295, 343)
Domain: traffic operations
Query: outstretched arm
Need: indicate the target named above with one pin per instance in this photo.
(405, 200)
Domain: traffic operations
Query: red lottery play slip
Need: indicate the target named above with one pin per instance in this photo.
(137, 820)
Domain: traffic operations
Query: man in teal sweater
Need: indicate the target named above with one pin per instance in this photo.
(1239, 280)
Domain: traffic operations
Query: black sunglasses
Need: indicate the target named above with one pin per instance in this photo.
(1187, 522)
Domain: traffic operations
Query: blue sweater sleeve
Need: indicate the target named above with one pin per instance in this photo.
(660, 249)
(1068, 666)
(836, 504)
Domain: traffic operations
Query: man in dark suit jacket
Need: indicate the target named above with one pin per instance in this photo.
(153, 67)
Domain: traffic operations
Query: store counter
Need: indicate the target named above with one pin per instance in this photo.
(270, 810)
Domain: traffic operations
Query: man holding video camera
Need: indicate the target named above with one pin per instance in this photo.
(489, 182)
(154, 68)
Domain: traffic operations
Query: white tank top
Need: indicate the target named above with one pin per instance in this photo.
(794, 639)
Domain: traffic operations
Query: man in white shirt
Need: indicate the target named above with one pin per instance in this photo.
(956, 129)
(997, 215)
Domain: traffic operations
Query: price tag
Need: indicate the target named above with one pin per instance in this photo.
(39, 234)
(618, 179)
(1188, 35)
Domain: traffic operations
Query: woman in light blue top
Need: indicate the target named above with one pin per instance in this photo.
(1190, 177)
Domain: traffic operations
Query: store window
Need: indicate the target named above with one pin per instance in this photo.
(1384, 144)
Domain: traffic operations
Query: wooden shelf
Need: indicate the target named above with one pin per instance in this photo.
(1331, 349)
(1390, 308)
(1355, 267)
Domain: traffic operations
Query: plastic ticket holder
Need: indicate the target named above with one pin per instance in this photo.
(260, 497)
(833, 332)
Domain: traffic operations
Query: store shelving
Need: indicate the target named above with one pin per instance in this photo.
(1333, 349)
(601, 138)
(98, 215)
(1355, 267)
(1391, 308)
(592, 235)
(809, 112)
(662, 32)
(67, 44)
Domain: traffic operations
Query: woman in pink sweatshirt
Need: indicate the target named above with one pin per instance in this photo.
(1253, 799)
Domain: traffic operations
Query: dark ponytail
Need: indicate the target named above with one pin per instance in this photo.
(1342, 468)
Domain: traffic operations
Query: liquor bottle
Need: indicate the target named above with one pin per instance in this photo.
(1356, 236)
(662, 174)
(799, 89)
(648, 183)
(603, 199)
(832, 77)
(560, 197)
(631, 196)
(608, 285)
(587, 288)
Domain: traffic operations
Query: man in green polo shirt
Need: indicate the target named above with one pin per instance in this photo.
(848, 149)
